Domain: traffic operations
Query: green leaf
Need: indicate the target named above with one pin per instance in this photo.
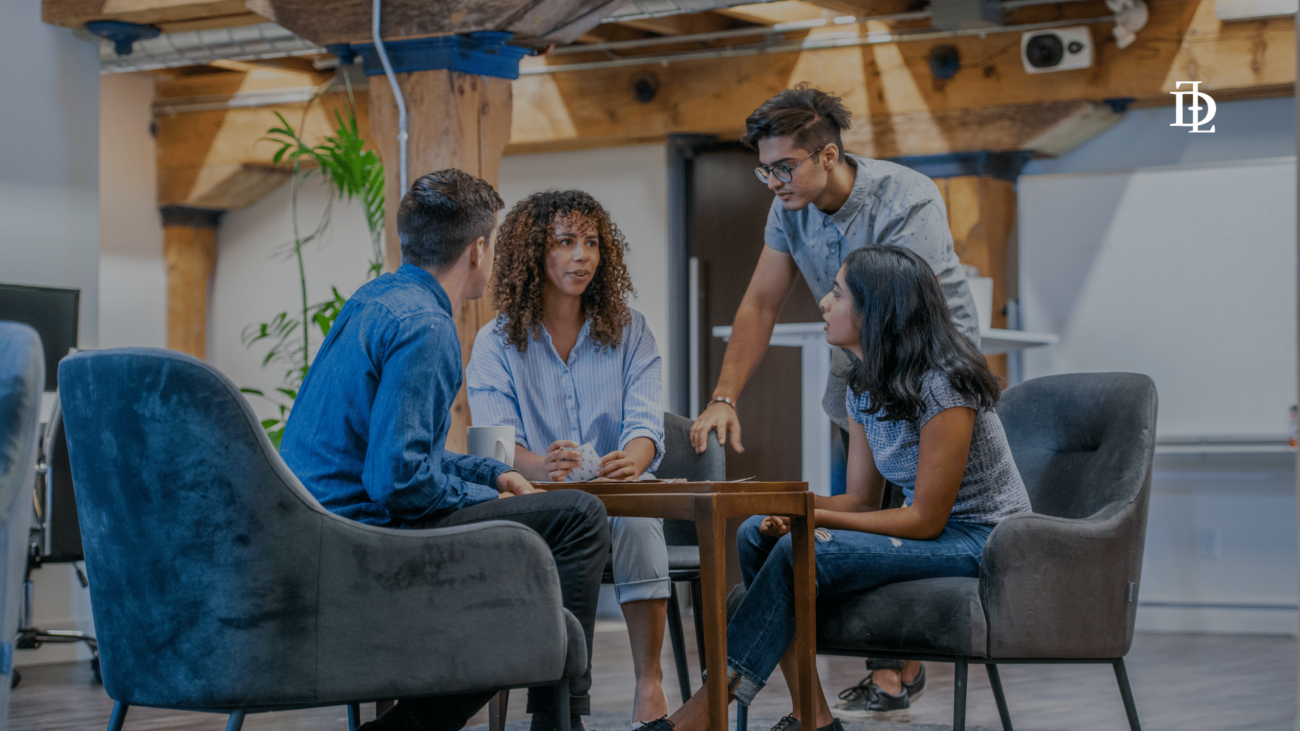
(254, 391)
(268, 423)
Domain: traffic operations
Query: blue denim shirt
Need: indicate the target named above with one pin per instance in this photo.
(367, 430)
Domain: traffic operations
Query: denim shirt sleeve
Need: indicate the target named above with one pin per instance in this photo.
(774, 234)
(407, 470)
(643, 404)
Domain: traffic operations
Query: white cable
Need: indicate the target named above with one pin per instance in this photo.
(397, 93)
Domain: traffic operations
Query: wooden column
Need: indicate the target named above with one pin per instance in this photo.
(190, 252)
(982, 218)
(453, 120)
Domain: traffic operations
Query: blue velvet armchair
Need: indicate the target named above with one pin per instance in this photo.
(219, 584)
(22, 378)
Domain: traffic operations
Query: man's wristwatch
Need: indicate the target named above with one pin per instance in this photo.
(722, 400)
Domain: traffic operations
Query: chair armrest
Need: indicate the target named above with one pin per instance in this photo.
(1060, 588)
(421, 612)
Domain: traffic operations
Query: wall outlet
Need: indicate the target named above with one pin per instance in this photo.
(1209, 543)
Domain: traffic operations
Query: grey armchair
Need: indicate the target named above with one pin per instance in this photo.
(22, 378)
(1058, 585)
(219, 584)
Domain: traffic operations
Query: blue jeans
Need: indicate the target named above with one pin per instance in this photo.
(850, 562)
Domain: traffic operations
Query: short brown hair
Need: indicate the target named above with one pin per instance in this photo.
(442, 214)
(810, 117)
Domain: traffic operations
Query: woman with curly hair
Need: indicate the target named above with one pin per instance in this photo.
(566, 363)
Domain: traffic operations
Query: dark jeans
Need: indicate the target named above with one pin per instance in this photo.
(573, 524)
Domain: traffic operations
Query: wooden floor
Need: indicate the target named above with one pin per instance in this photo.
(1183, 682)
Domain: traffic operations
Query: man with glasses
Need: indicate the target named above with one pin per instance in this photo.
(829, 203)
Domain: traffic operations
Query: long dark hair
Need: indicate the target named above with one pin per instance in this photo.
(907, 332)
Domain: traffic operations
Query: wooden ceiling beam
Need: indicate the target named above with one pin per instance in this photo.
(1183, 41)
(682, 25)
(171, 15)
(784, 11)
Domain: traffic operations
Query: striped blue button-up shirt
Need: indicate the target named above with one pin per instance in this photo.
(607, 396)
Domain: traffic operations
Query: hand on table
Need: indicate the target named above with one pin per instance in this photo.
(618, 466)
(720, 418)
(512, 483)
(774, 526)
(562, 457)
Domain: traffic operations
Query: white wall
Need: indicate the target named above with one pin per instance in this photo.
(132, 277)
(1221, 538)
(49, 217)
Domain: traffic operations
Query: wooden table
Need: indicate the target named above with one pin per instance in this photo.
(709, 505)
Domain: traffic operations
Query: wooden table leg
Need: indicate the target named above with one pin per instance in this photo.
(805, 610)
(711, 528)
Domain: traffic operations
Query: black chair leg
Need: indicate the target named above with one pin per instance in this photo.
(697, 606)
(562, 706)
(678, 637)
(116, 720)
(354, 716)
(1125, 692)
(236, 721)
(959, 696)
(995, 680)
(742, 716)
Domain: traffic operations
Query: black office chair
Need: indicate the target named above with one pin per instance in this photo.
(56, 537)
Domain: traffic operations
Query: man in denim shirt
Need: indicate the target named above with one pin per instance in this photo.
(367, 431)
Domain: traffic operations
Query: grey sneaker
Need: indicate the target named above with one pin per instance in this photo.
(916, 687)
(867, 701)
(789, 723)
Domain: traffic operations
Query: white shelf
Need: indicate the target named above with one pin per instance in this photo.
(992, 342)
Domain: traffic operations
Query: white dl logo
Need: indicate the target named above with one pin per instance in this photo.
(1194, 105)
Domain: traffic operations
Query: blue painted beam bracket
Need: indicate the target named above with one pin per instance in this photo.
(486, 53)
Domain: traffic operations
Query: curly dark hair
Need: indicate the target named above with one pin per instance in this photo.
(525, 236)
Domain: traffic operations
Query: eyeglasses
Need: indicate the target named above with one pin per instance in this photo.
(783, 173)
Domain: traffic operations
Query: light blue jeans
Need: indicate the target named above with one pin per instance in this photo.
(850, 562)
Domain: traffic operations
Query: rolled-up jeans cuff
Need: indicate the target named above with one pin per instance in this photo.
(741, 686)
(640, 591)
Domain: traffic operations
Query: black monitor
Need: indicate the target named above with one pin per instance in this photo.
(52, 312)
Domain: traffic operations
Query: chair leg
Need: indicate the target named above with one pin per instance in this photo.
(742, 717)
(959, 696)
(236, 721)
(678, 638)
(995, 680)
(497, 708)
(697, 606)
(354, 716)
(116, 720)
(1125, 692)
(562, 706)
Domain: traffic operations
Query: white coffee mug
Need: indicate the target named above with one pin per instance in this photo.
(493, 442)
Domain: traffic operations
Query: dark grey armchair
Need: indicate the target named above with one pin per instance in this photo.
(22, 379)
(219, 584)
(1058, 585)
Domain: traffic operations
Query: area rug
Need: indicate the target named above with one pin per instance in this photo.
(620, 722)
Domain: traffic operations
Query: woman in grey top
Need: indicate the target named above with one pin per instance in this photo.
(921, 397)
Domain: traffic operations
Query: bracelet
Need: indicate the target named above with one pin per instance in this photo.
(722, 400)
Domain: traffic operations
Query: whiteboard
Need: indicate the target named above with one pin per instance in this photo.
(1186, 274)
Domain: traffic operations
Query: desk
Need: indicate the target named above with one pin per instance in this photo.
(709, 505)
(815, 364)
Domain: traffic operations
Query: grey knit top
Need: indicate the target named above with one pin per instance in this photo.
(991, 488)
